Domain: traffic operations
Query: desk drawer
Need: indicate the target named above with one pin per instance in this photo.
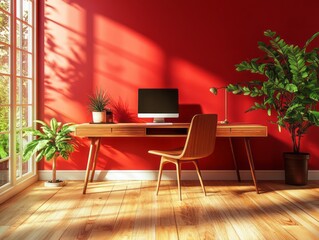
(95, 131)
(241, 131)
(128, 132)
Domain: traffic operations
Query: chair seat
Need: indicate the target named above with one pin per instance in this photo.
(200, 143)
(167, 153)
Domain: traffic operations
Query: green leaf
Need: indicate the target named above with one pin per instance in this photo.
(50, 152)
(33, 147)
(314, 116)
(314, 96)
(269, 33)
(311, 39)
(291, 88)
(278, 95)
(41, 122)
(54, 124)
(40, 155)
(237, 91)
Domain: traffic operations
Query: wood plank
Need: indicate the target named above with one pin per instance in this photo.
(304, 199)
(83, 217)
(302, 219)
(105, 222)
(185, 213)
(15, 211)
(124, 225)
(144, 227)
(165, 217)
(45, 219)
(213, 215)
(262, 211)
(236, 213)
(131, 210)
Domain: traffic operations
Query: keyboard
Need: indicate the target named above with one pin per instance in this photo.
(159, 124)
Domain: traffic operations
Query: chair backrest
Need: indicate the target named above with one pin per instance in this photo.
(200, 141)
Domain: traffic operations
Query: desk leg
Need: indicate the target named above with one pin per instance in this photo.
(234, 158)
(92, 153)
(251, 162)
(94, 159)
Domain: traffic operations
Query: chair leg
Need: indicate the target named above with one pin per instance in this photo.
(199, 176)
(178, 171)
(159, 175)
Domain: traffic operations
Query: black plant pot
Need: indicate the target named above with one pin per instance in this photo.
(296, 168)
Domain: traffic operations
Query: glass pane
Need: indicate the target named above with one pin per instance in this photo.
(4, 146)
(19, 63)
(26, 167)
(26, 91)
(4, 90)
(24, 11)
(4, 172)
(25, 139)
(4, 27)
(5, 5)
(27, 11)
(19, 167)
(4, 119)
(18, 152)
(18, 117)
(19, 9)
(26, 116)
(18, 32)
(18, 91)
(4, 59)
(18, 142)
(26, 38)
(26, 64)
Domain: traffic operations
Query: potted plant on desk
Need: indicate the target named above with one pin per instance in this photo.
(51, 141)
(97, 105)
(290, 91)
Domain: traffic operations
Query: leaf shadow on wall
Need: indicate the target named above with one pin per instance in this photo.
(64, 69)
(122, 113)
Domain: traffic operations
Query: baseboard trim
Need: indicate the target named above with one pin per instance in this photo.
(169, 175)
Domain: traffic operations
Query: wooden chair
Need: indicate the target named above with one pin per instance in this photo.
(200, 143)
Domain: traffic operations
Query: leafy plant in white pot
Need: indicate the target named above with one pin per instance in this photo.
(289, 90)
(97, 105)
(51, 141)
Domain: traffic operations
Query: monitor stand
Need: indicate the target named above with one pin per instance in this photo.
(158, 120)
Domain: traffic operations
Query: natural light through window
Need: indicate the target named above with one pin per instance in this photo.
(17, 88)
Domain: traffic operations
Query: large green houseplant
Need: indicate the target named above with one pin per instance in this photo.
(289, 89)
(50, 142)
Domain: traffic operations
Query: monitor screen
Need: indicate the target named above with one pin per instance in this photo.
(158, 103)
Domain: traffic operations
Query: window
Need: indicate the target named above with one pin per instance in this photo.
(17, 88)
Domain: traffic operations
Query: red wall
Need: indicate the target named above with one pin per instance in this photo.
(124, 45)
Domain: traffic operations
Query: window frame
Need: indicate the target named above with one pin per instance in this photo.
(17, 181)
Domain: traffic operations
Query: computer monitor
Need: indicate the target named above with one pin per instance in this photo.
(158, 103)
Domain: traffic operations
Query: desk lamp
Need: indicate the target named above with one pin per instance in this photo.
(225, 121)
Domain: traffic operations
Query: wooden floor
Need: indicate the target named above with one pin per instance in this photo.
(131, 210)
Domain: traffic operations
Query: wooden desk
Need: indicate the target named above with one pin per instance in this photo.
(96, 131)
